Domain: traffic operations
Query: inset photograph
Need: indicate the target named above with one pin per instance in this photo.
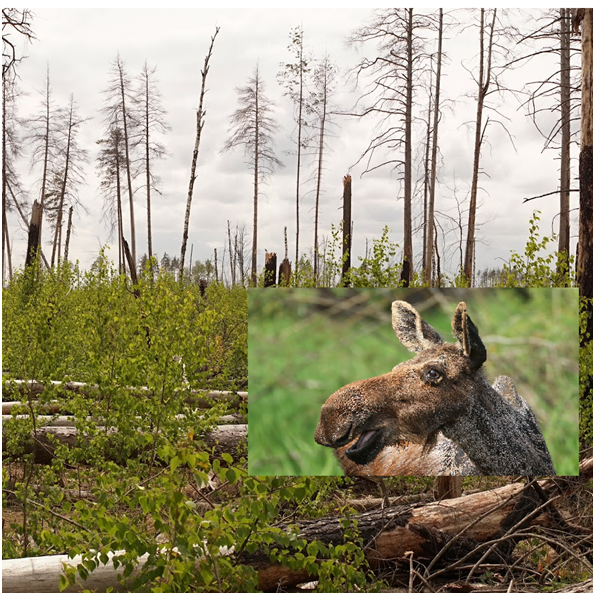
(394, 382)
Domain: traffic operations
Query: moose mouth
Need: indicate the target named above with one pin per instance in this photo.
(366, 448)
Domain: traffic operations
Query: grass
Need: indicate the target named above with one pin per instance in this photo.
(304, 344)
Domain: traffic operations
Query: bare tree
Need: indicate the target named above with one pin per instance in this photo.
(119, 98)
(200, 122)
(110, 165)
(252, 127)
(557, 92)
(14, 21)
(429, 248)
(151, 121)
(486, 47)
(390, 95)
(67, 174)
(292, 77)
(12, 193)
(42, 135)
(324, 79)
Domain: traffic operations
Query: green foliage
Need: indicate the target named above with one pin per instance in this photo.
(536, 267)
(586, 376)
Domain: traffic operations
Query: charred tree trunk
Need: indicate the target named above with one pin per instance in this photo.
(34, 241)
(347, 240)
(270, 269)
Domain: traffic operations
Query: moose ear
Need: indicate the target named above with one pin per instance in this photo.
(415, 334)
(468, 335)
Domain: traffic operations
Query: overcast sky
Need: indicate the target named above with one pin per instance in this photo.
(80, 44)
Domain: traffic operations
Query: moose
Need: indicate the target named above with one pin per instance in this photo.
(435, 414)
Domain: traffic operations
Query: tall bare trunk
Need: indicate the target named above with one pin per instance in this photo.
(255, 220)
(347, 240)
(299, 158)
(407, 271)
(127, 165)
(483, 84)
(430, 225)
(68, 232)
(58, 231)
(148, 171)
(199, 127)
(319, 179)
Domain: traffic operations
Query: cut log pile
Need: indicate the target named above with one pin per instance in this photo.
(227, 436)
(455, 534)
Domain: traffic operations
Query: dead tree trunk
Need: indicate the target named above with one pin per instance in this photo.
(346, 230)
(68, 232)
(199, 126)
(430, 223)
(34, 241)
(270, 269)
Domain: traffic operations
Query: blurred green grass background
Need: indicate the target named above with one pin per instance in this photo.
(304, 344)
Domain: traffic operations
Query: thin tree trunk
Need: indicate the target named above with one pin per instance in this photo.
(148, 172)
(128, 168)
(427, 181)
(216, 270)
(256, 155)
(347, 240)
(564, 228)
(231, 259)
(319, 176)
(407, 271)
(6, 247)
(430, 235)
(57, 234)
(200, 114)
(483, 85)
(299, 158)
(68, 232)
(46, 149)
(119, 206)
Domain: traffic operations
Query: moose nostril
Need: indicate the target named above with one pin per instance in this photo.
(344, 439)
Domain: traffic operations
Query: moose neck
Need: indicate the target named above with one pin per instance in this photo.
(499, 438)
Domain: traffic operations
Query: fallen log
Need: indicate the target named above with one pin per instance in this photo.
(440, 531)
(32, 389)
(67, 421)
(225, 438)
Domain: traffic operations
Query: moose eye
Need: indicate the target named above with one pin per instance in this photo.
(433, 375)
